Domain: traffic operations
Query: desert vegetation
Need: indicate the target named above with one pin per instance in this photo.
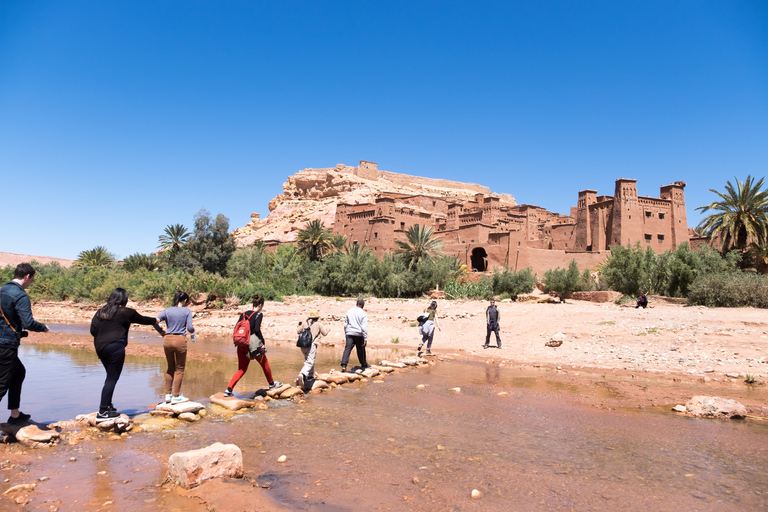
(206, 260)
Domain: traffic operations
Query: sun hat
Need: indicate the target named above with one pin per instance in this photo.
(314, 314)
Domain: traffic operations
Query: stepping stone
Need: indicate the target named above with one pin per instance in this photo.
(183, 407)
(351, 377)
(232, 403)
(370, 372)
(188, 416)
(391, 364)
(120, 424)
(383, 369)
(30, 434)
(291, 391)
(272, 393)
(162, 414)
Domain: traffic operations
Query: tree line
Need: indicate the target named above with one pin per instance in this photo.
(206, 259)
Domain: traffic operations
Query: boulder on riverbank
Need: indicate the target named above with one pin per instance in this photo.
(715, 407)
(189, 469)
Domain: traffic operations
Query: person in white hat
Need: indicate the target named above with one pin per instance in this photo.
(316, 329)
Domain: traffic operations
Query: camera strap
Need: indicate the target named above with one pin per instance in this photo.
(6, 318)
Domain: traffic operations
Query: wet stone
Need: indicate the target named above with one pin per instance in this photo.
(232, 403)
(715, 407)
(181, 408)
(273, 393)
(32, 435)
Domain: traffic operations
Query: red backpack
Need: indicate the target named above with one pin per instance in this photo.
(243, 331)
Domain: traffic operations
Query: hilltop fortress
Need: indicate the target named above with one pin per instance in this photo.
(484, 230)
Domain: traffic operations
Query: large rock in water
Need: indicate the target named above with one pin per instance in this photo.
(31, 435)
(189, 469)
(181, 408)
(232, 403)
(715, 407)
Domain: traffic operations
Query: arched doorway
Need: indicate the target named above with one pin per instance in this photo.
(479, 259)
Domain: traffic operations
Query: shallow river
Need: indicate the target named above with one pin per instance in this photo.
(390, 446)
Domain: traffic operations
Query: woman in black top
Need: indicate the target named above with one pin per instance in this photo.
(109, 329)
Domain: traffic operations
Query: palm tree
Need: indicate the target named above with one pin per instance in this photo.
(173, 238)
(742, 215)
(137, 261)
(421, 244)
(314, 240)
(338, 242)
(99, 256)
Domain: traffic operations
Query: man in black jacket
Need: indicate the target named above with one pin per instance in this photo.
(15, 320)
(492, 318)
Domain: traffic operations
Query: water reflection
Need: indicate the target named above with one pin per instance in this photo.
(389, 445)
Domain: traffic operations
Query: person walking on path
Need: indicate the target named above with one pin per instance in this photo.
(244, 354)
(109, 329)
(356, 332)
(15, 321)
(492, 318)
(427, 329)
(178, 320)
(316, 329)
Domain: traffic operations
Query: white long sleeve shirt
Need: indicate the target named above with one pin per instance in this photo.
(356, 323)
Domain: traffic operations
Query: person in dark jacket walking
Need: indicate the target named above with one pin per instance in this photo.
(109, 329)
(492, 318)
(15, 321)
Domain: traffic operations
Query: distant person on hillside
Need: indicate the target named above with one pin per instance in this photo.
(316, 329)
(178, 320)
(15, 321)
(356, 333)
(642, 301)
(427, 329)
(245, 353)
(492, 318)
(109, 329)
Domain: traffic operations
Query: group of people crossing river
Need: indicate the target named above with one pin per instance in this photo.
(110, 325)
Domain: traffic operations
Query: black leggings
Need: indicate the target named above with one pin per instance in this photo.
(112, 357)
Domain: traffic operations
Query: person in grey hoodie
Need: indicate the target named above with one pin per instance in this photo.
(356, 332)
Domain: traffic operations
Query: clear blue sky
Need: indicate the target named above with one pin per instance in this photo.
(118, 118)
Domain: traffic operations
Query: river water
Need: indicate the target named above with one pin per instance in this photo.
(388, 445)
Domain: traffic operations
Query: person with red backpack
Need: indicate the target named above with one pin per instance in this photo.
(250, 345)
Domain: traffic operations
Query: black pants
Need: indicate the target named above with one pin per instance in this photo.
(358, 343)
(112, 357)
(12, 374)
(488, 334)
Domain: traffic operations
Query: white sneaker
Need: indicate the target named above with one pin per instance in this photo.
(300, 381)
(168, 398)
(179, 399)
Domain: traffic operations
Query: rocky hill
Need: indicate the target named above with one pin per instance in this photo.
(314, 193)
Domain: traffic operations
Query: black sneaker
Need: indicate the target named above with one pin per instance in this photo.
(343, 369)
(227, 393)
(275, 384)
(21, 418)
(107, 415)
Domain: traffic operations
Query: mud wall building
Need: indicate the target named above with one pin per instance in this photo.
(484, 232)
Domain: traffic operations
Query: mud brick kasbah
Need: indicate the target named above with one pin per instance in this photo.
(484, 230)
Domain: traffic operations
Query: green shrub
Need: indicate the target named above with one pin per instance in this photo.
(564, 282)
(513, 283)
(730, 289)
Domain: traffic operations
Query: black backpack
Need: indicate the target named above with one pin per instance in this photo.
(305, 338)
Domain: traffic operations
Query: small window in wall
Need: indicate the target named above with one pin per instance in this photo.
(648, 238)
(375, 235)
(660, 237)
(402, 225)
(647, 214)
(661, 215)
(355, 242)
